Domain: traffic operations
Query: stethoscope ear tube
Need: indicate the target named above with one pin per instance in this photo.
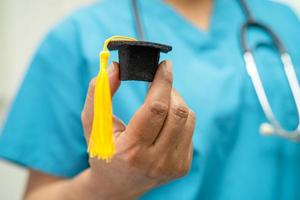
(138, 21)
(253, 24)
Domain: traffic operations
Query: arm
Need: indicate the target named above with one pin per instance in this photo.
(51, 187)
(48, 187)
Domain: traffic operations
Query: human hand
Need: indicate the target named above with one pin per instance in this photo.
(154, 148)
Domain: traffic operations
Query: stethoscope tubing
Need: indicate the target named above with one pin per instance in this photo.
(138, 21)
(252, 71)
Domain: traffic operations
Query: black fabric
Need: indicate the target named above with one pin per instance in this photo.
(138, 59)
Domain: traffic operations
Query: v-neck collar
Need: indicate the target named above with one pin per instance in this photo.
(217, 27)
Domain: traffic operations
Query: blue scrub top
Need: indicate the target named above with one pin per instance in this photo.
(231, 159)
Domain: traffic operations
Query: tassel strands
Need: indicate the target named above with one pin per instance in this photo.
(101, 144)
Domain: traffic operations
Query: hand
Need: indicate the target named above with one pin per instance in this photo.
(154, 148)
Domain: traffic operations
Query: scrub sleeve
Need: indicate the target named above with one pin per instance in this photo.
(43, 130)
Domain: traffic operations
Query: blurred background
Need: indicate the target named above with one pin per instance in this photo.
(22, 26)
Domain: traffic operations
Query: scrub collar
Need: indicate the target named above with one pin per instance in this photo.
(222, 18)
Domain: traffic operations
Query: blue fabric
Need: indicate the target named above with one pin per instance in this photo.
(231, 159)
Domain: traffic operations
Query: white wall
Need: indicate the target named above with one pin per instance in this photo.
(293, 3)
(22, 24)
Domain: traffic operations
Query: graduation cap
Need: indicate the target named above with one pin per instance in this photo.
(138, 59)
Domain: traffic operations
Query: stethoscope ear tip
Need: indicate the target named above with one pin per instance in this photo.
(266, 129)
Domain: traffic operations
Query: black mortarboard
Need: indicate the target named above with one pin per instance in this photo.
(138, 59)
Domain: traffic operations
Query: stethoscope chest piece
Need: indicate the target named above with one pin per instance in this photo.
(266, 129)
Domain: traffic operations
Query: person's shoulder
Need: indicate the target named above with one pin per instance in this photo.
(103, 12)
(273, 11)
(281, 18)
(100, 13)
(97, 18)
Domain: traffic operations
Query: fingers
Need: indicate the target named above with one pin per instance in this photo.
(178, 129)
(113, 75)
(88, 109)
(174, 145)
(186, 139)
(149, 119)
(161, 87)
(174, 127)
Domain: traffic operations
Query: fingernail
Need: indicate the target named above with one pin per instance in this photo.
(111, 68)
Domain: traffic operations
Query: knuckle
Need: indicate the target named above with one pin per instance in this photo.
(131, 158)
(180, 111)
(182, 171)
(167, 171)
(158, 108)
(160, 172)
(159, 169)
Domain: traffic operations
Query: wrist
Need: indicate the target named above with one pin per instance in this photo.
(90, 187)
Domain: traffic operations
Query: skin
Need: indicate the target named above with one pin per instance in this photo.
(154, 148)
(197, 12)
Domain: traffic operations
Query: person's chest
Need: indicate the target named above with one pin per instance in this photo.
(209, 72)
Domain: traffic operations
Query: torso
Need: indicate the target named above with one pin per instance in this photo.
(231, 159)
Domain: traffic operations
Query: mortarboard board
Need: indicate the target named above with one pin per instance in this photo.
(138, 59)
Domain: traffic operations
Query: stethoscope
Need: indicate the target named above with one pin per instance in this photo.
(273, 126)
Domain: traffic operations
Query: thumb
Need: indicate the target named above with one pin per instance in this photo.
(87, 114)
(113, 75)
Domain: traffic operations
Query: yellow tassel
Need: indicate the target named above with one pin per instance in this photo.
(101, 143)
